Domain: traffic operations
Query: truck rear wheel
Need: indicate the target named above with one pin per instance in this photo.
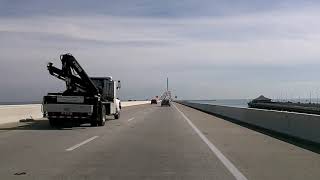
(102, 118)
(54, 122)
(94, 123)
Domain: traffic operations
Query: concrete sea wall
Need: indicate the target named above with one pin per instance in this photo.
(299, 125)
(14, 113)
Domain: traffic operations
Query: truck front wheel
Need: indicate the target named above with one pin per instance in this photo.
(117, 115)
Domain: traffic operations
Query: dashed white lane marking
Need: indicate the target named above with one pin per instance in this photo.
(82, 143)
(131, 119)
(233, 170)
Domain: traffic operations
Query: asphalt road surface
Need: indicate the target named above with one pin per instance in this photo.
(151, 142)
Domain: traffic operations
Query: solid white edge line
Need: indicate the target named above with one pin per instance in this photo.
(233, 170)
(82, 143)
(130, 119)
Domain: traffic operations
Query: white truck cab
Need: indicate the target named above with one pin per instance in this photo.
(108, 89)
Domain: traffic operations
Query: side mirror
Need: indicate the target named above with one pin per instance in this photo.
(118, 85)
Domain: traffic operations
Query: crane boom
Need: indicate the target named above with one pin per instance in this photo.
(73, 74)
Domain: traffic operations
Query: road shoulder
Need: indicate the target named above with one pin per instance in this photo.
(257, 155)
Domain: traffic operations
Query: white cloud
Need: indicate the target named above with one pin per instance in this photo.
(144, 45)
(273, 37)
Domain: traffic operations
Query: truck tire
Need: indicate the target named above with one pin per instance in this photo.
(54, 122)
(102, 118)
(117, 115)
(94, 123)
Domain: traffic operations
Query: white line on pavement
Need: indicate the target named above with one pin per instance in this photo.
(82, 143)
(130, 119)
(233, 170)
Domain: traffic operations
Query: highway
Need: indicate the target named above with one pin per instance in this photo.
(151, 142)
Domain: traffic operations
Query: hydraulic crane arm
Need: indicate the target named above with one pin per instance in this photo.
(73, 74)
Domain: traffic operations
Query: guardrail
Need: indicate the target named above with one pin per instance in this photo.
(298, 125)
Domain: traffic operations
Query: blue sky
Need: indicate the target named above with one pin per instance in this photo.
(209, 49)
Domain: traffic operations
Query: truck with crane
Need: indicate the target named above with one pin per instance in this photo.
(85, 100)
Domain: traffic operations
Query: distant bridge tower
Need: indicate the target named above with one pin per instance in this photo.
(167, 93)
(167, 84)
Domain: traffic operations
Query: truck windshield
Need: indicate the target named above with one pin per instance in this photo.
(98, 83)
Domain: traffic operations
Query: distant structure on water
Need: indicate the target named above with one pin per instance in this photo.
(262, 102)
(262, 99)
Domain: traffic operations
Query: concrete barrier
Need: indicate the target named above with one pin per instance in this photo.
(133, 103)
(299, 125)
(15, 113)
